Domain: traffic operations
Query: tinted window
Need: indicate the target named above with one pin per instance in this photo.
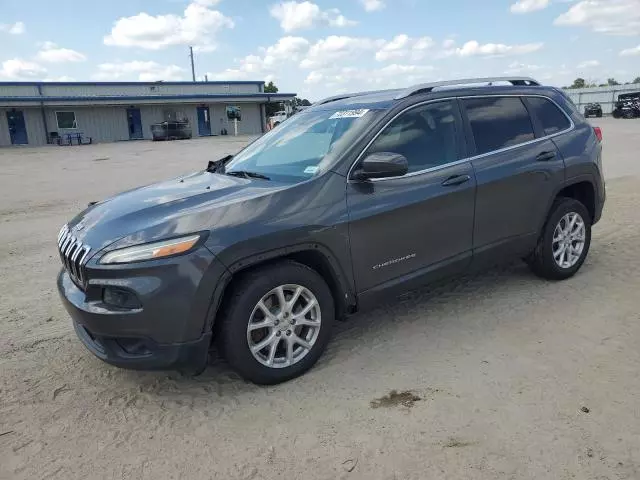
(552, 119)
(498, 122)
(425, 135)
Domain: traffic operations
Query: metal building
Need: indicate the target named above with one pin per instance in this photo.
(605, 96)
(34, 113)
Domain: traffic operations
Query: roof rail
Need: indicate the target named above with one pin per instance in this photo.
(344, 96)
(428, 87)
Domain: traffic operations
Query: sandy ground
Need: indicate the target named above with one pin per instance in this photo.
(510, 377)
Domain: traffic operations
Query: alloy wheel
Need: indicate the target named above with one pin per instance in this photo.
(284, 326)
(568, 240)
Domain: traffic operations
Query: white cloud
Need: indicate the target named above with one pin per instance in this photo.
(448, 43)
(517, 68)
(372, 5)
(12, 28)
(526, 6)
(403, 46)
(62, 78)
(627, 52)
(197, 26)
(19, 69)
(285, 51)
(144, 71)
(473, 48)
(612, 17)
(589, 64)
(50, 52)
(335, 48)
(304, 15)
(352, 78)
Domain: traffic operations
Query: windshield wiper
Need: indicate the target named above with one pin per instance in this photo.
(216, 165)
(246, 174)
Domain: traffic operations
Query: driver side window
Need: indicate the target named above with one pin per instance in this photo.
(425, 136)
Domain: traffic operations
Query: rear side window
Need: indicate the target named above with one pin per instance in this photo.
(552, 119)
(498, 122)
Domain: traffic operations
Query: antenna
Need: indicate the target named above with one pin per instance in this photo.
(193, 68)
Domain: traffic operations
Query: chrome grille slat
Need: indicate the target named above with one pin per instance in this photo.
(74, 255)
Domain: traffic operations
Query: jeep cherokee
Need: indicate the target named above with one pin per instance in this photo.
(358, 197)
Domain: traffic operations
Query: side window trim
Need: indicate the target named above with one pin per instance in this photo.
(465, 135)
(462, 151)
(512, 147)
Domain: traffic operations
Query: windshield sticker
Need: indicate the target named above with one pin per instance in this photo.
(350, 113)
(311, 169)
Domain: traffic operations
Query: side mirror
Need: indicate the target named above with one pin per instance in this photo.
(382, 165)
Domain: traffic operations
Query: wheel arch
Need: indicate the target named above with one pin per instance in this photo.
(314, 255)
(582, 189)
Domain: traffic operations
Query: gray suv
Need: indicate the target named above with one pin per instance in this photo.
(358, 198)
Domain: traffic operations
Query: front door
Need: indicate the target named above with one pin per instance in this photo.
(204, 122)
(406, 227)
(134, 120)
(17, 127)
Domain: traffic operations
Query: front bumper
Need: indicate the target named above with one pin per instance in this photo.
(170, 327)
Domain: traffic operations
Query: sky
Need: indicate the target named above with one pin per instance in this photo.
(317, 48)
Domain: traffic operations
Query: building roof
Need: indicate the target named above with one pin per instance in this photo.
(98, 84)
(118, 93)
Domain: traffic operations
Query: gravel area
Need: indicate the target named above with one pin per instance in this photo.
(494, 376)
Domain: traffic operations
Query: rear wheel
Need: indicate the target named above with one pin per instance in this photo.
(277, 322)
(564, 243)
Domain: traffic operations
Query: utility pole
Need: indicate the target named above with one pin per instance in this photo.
(193, 68)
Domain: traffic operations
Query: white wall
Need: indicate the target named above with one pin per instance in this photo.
(102, 124)
(109, 123)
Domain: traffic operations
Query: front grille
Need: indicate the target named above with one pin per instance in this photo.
(74, 255)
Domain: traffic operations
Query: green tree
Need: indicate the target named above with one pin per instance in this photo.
(612, 82)
(271, 107)
(578, 83)
(301, 102)
(636, 80)
(270, 88)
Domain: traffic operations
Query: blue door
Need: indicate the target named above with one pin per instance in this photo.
(134, 120)
(17, 128)
(204, 122)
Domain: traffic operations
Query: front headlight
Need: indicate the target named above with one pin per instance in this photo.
(150, 251)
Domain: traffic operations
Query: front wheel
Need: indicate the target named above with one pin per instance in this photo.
(276, 322)
(564, 243)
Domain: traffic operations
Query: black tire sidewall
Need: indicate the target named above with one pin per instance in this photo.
(563, 207)
(236, 317)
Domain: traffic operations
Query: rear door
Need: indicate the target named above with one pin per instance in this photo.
(516, 172)
(404, 226)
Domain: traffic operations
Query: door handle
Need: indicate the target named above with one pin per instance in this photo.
(456, 180)
(545, 156)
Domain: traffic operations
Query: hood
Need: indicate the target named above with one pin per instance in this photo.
(174, 207)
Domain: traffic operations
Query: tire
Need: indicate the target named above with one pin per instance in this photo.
(542, 261)
(599, 115)
(241, 309)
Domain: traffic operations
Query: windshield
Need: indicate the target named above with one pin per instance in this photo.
(303, 146)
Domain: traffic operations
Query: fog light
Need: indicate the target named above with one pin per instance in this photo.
(121, 298)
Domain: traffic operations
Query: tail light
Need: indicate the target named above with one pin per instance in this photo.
(598, 132)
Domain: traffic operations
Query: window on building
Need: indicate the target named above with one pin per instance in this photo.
(498, 122)
(425, 136)
(66, 120)
(552, 119)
